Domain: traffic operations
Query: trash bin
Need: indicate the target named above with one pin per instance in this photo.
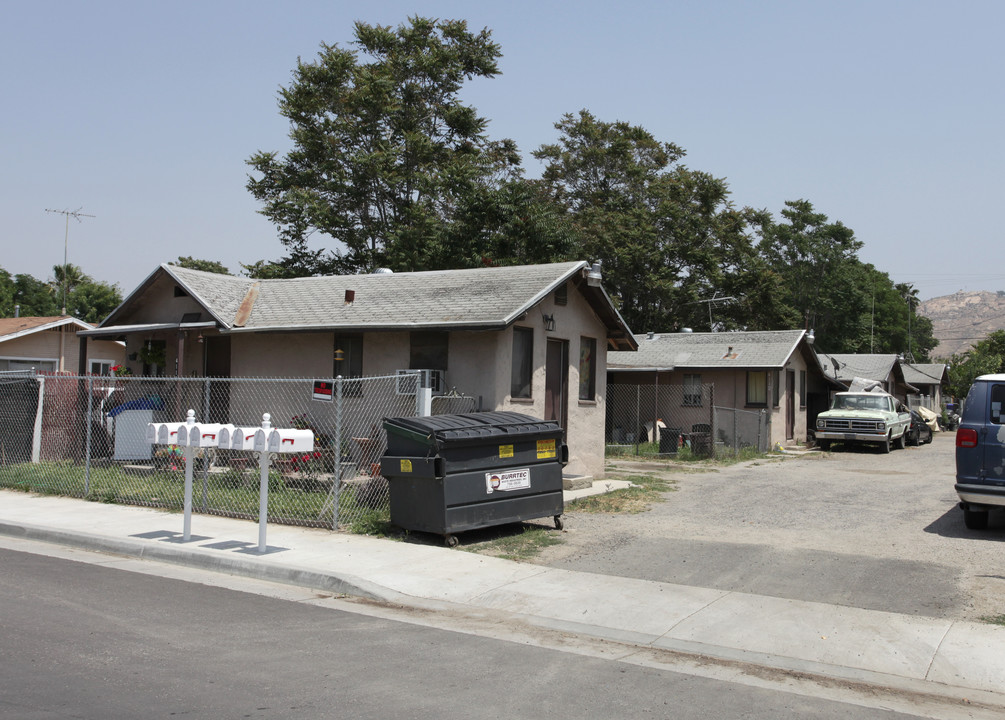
(701, 440)
(451, 473)
(670, 440)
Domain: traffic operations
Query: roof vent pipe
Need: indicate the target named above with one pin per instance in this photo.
(650, 335)
(686, 330)
(17, 311)
(383, 271)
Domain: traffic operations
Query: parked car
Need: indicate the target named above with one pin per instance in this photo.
(864, 417)
(980, 451)
(919, 432)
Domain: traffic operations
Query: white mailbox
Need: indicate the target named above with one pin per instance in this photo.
(291, 441)
(167, 433)
(199, 435)
(152, 433)
(241, 438)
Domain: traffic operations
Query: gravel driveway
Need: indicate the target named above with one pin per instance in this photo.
(855, 528)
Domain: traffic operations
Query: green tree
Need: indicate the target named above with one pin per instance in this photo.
(35, 297)
(384, 152)
(7, 290)
(93, 300)
(984, 358)
(65, 279)
(267, 270)
(823, 280)
(667, 235)
(192, 263)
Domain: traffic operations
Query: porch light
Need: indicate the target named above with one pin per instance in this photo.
(549, 322)
(339, 355)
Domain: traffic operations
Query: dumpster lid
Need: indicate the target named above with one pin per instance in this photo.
(438, 430)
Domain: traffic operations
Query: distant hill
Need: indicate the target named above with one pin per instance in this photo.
(962, 319)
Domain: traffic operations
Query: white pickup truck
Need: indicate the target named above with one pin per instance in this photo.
(864, 417)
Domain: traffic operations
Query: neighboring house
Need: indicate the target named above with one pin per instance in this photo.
(888, 370)
(929, 379)
(530, 339)
(50, 344)
(774, 372)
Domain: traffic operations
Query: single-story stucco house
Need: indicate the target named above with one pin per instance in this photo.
(49, 344)
(530, 339)
(929, 378)
(771, 372)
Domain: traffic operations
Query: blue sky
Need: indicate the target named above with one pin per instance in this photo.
(888, 116)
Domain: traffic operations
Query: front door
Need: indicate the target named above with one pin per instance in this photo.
(218, 366)
(790, 404)
(556, 382)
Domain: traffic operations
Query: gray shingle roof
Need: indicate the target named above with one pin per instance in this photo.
(761, 349)
(479, 298)
(850, 366)
(924, 374)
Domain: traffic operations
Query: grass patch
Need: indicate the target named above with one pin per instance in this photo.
(376, 523)
(994, 619)
(644, 491)
(231, 493)
(649, 452)
(518, 546)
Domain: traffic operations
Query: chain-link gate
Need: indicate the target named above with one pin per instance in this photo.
(737, 430)
(85, 436)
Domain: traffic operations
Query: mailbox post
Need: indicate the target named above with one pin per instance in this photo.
(268, 442)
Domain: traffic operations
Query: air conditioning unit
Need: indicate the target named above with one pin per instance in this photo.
(407, 382)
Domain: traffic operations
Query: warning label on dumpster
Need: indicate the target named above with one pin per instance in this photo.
(505, 451)
(504, 481)
(545, 449)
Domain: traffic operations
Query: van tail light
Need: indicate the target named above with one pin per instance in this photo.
(966, 438)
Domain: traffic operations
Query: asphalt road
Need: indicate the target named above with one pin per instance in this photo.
(849, 527)
(82, 640)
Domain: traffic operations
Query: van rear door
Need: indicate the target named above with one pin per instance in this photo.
(993, 439)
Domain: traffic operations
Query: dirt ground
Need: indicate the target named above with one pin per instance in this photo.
(849, 527)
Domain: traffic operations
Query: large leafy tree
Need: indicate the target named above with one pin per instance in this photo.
(35, 298)
(667, 235)
(192, 263)
(823, 280)
(92, 301)
(986, 357)
(384, 152)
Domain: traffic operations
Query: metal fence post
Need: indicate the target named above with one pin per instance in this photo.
(337, 481)
(87, 442)
(205, 451)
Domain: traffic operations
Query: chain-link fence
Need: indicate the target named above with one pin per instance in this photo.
(86, 437)
(737, 430)
(679, 421)
(660, 420)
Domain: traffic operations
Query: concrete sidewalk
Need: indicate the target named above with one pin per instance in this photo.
(913, 654)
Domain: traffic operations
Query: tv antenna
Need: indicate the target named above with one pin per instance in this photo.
(711, 302)
(76, 215)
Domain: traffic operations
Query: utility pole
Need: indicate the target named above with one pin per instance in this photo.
(76, 215)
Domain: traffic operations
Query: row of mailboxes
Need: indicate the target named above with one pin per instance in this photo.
(259, 439)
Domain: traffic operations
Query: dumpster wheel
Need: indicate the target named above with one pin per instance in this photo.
(559, 524)
(450, 540)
